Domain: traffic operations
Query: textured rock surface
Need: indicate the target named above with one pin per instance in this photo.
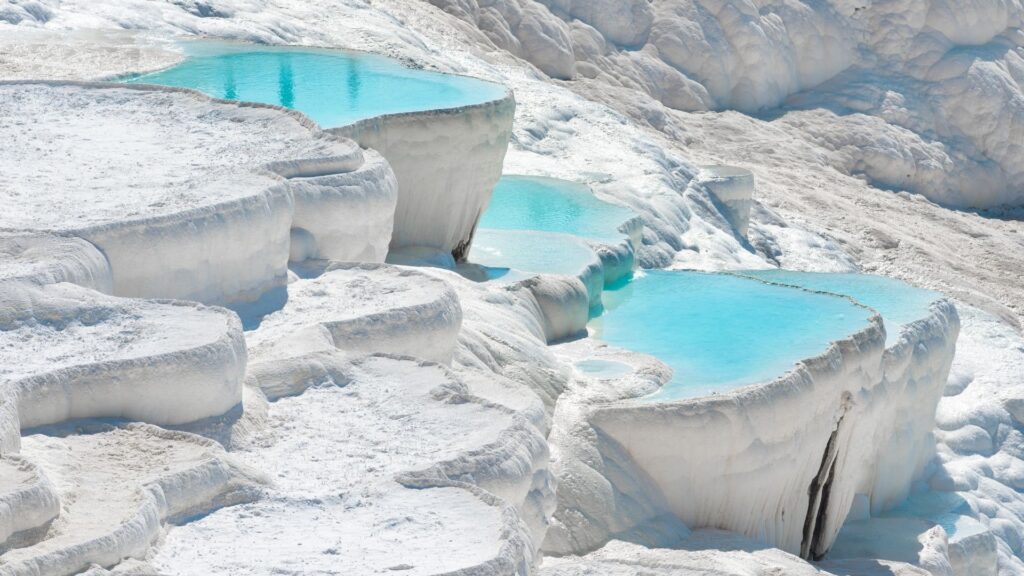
(202, 205)
(446, 162)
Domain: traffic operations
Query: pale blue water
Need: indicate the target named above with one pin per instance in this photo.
(332, 87)
(720, 332)
(605, 369)
(551, 205)
(898, 303)
(533, 252)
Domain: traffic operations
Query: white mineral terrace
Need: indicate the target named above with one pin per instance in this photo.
(445, 136)
(175, 179)
(238, 339)
(446, 163)
(310, 196)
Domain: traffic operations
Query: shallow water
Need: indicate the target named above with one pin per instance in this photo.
(898, 303)
(531, 252)
(332, 87)
(720, 332)
(551, 205)
(603, 369)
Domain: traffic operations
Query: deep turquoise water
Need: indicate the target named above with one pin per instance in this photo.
(720, 332)
(550, 205)
(334, 88)
(897, 302)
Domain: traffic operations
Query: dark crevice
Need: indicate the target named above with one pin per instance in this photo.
(461, 250)
(819, 493)
(819, 525)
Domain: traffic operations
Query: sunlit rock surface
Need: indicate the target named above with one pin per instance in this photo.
(185, 197)
(822, 203)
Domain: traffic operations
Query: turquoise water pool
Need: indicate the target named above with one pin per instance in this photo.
(897, 302)
(720, 332)
(334, 88)
(551, 205)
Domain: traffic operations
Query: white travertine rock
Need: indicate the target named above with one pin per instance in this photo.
(623, 22)
(393, 436)
(936, 71)
(348, 216)
(202, 206)
(856, 420)
(734, 189)
(446, 161)
(28, 502)
(363, 308)
(67, 352)
(48, 259)
(118, 488)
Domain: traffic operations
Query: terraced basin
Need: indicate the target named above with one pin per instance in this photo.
(333, 87)
(720, 332)
(552, 205)
(444, 135)
(898, 303)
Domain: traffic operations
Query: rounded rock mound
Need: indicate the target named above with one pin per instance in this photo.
(67, 352)
(186, 196)
(364, 308)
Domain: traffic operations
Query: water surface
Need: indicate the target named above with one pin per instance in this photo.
(898, 302)
(332, 87)
(551, 205)
(531, 252)
(719, 331)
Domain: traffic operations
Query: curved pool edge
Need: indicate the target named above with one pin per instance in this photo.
(859, 408)
(138, 262)
(440, 201)
(616, 248)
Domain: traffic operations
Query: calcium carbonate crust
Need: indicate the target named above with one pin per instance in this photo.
(845, 408)
(169, 254)
(367, 308)
(446, 161)
(509, 473)
(160, 383)
(916, 86)
(28, 502)
(208, 481)
(48, 259)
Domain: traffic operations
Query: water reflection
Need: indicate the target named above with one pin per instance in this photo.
(285, 82)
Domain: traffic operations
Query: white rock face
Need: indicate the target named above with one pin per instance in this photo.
(710, 552)
(390, 462)
(857, 420)
(209, 217)
(447, 162)
(28, 502)
(367, 308)
(68, 352)
(346, 216)
(734, 189)
(45, 259)
(935, 77)
(117, 487)
(457, 454)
